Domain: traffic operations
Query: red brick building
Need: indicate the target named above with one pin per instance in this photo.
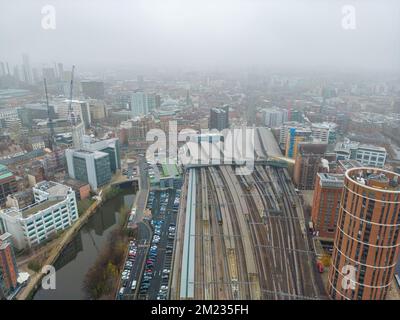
(8, 265)
(367, 241)
(326, 203)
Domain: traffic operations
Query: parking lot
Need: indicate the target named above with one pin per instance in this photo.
(155, 280)
(136, 254)
(147, 267)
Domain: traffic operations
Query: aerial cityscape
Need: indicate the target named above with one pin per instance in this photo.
(200, 150)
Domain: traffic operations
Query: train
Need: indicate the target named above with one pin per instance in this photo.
(219, 216)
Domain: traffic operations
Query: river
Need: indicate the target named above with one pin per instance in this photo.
(81, 253)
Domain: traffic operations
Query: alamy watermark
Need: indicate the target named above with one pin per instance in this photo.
(48, 21)
(49, 278)
(213, 147)
(349, 17)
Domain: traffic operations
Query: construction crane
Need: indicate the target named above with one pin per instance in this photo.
(70, 111)
(51, 126)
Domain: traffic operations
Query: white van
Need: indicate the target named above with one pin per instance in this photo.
(133, 287)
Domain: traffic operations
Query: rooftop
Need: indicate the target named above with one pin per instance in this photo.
(331, 180)
(53, 189)
(375, 179)
(35, 208)
(371, 147)
(348, 164)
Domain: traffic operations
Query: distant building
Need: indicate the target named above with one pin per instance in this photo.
(78, 131)
(8, 265)
(80, 111)
(9, 117)
(219, 118)
(97, 109)
(367, 155)
(92, 89)
(142, 103)
(274, 117)
(295, 115)
(324, 131)
(92, 167)
(326, 203)
(53, 163)
(294, 137)
(308, 163)
(54, 210)
(8, 183)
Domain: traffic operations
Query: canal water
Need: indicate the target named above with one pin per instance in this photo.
(81, 253)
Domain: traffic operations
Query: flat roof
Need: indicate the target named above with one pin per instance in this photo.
(54, 189)
(38, 207)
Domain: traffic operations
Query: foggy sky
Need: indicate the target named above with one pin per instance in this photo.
(203, 33)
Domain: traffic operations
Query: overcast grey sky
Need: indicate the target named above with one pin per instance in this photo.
(203, 33)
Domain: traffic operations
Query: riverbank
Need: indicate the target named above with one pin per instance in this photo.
(57, 247)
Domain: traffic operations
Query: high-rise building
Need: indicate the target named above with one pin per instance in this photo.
(142, 103)
(274, 117)
(92, 167)
(8, 183)
(110, 146)
(326, 203)
(54, 210)
(367, 241)
(309, 161)
(93, 89)
(295, 135)
(60, 69)
(324, 131)
(27, 71)
(219, 118)
(97, 109)
(8, 265)
(140, 82)
(80, 111)
(78, 131)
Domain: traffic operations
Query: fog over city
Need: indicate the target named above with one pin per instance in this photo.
(286, 34)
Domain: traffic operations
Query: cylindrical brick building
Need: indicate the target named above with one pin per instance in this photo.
(367, 240)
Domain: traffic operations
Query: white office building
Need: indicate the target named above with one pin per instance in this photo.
(367, 155)
(142, 103)
(324, 131)
(371, 156)
(55, 209)
(274, 117)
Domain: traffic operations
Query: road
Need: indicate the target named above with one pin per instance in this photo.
(141, 198)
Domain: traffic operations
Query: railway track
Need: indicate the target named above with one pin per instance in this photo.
(250, 241)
